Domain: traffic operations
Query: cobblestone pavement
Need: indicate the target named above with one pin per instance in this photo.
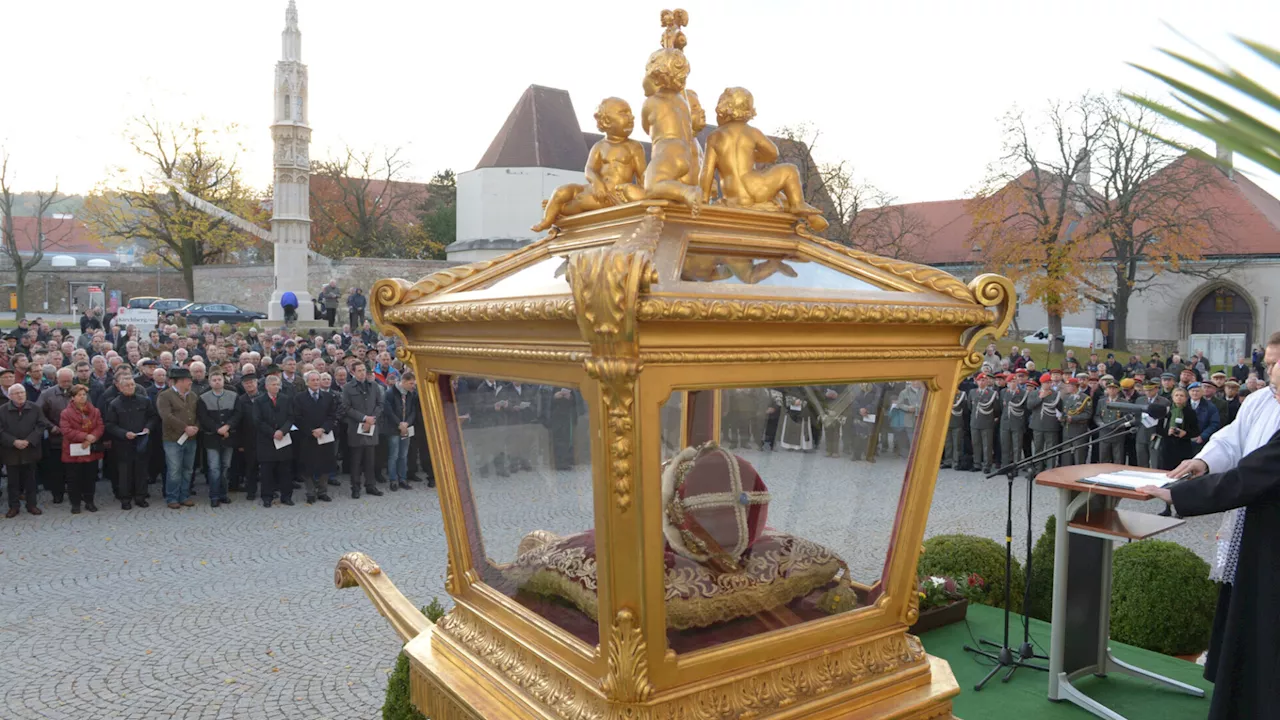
(207, 613)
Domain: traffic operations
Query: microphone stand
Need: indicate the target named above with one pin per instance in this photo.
(1004, 655)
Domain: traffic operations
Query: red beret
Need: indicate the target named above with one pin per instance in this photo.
(1045, 378)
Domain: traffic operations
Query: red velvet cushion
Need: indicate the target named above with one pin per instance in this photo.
(777, 569)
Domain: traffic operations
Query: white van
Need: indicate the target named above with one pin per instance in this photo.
(1075, 337)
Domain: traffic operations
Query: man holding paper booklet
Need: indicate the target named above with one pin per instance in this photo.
(315, 413)
(273, 417)
(176, 406)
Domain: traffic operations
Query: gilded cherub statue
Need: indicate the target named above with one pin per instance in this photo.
(733, 150)
(615, 168)
(672, 173)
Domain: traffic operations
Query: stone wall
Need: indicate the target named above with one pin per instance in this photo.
(1144, 348)
(250, 286)
(55, 286)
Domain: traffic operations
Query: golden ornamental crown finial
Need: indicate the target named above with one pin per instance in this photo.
(672, 22)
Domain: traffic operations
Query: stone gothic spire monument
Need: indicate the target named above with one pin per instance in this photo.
(290, 198)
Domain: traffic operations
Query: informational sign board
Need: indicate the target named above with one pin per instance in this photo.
(144, 320)
(1220, 349)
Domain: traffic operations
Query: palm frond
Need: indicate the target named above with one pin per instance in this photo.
(1220, 120)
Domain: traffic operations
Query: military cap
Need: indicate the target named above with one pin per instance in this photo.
(1168, 376)
(1127, 383)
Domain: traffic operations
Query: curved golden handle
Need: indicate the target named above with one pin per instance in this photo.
(356, 568)
(992, 291)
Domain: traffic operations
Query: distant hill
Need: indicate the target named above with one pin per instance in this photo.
(24, 205)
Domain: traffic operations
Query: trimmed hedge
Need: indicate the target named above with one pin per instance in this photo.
(960, 555)
(1162, 598)
(1042, 572)
(397, 705)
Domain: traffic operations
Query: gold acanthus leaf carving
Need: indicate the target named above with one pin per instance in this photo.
(450, 579)
(913, 608)
(607, 283)
(673, 357)
(561, 308)
(785, 685)
(344, 575)
(541, 680)
(505, 353)
(932, 278)
(441, 279)
(628, 678)
(703, 309)
(797, 682)
(617, 377)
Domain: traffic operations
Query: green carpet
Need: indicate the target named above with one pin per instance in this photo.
(1025, 697)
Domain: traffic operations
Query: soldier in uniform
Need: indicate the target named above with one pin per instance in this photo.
(521, 414)
(985, 403)
(1077, 414)
(866, 403)
(1046, 427)
(1013, 419)
(1168, 381)
(1145, 443)
(487, 409)
(955, 431)
(1111, 443)
(743, 411)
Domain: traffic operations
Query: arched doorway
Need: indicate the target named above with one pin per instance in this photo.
(1223, 310)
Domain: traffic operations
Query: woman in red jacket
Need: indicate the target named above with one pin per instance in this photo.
(81, 425)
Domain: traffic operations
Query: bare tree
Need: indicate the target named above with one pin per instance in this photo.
(364, 205)
(891, 230)
(1153, 210)
(48, 233)
(1026, 218)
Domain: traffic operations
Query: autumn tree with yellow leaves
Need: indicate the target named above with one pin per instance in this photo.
(1085, 206)
(141, 205)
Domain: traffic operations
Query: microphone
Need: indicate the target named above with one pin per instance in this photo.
(1130, 408)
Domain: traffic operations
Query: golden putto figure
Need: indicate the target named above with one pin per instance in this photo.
(733, 151)
(615, 168)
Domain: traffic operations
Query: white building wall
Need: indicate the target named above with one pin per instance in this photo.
(505, 202)
(1162, 312)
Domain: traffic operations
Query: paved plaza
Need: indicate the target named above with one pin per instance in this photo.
(231, 613)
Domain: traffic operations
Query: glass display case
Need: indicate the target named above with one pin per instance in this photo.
(663, 461)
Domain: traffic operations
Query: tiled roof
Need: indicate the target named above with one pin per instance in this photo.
(1250, 225)
(62, 236)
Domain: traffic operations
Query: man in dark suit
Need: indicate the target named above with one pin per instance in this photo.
(315, 412)
(273, 416)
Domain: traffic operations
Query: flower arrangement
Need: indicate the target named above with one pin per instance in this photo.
(937, 592)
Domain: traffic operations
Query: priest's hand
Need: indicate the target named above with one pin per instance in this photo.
(1157, 492)
(1189, 468)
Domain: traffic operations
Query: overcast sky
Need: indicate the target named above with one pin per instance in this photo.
(907, 91)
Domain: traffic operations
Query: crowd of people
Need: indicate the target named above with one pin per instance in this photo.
(263, 413)
(1011, 410)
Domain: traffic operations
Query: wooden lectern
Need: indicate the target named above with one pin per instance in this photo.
(1088, 523)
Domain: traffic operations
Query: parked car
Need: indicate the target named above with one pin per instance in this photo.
(168, 305)
(141, 303)
(218, 312)
(1075, 337)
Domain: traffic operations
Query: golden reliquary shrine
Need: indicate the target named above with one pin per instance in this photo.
(652, 435)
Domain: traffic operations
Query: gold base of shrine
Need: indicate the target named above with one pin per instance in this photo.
(451, 682)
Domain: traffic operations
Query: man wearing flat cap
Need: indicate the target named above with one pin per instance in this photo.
(177, 407)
